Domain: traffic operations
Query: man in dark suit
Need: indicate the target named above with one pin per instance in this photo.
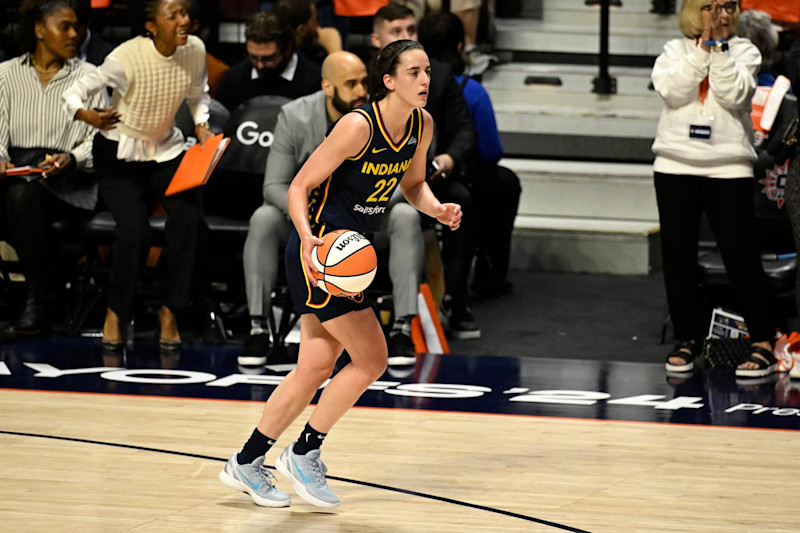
(91, 47)
(272, 66)
(454, 148)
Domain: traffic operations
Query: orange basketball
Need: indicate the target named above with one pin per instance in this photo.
(346, 262)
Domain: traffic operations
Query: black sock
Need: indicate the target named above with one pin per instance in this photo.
(257, 445)
(310, 439)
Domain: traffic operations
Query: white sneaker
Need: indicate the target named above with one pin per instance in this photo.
(254, 479)
(307, 473)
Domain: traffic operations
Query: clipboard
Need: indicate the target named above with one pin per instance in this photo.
(197, 164)
(24, 171)
(27, 173)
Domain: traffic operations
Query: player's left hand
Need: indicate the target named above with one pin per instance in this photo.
(449, 215)
(55, 164)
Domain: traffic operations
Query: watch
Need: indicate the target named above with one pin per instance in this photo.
(720, 46)
(203, 125)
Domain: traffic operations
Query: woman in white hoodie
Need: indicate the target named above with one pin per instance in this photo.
(704, 162)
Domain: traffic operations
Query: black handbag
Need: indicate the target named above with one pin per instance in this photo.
(783, 138)
(725, 353)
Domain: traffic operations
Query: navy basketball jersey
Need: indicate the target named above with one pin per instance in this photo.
(356, 194)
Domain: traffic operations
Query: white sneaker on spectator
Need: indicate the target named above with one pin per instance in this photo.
(256, 348)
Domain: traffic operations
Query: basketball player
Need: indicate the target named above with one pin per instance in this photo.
(345, 184)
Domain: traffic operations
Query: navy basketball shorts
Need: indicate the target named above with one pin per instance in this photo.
(311, 299)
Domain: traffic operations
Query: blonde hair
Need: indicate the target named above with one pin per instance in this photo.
(691, 20)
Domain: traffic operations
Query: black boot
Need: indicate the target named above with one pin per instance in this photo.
(32, 322)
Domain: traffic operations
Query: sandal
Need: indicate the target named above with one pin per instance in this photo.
(766, 366)
(112, 346)
(688, 366)
(169, 345)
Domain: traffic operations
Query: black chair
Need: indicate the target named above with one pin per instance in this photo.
(96, 234)
(65, 264)
(218, 117)
(234, 191)
(230, 197)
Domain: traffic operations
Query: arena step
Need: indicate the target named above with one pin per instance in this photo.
(568, 31)
(543, 80)
(590, 133)
(547, 110)
(613, 191)
(527, 35)
(585, 217)
(569, 244)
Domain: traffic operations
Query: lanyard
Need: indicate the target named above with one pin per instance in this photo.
(703, 84)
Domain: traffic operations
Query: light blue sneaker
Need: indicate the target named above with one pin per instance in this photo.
(307, 473)
(255, 480)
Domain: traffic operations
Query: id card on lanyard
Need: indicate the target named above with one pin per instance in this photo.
(701, 125)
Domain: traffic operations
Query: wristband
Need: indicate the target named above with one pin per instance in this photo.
(720, 47)
(714, 42)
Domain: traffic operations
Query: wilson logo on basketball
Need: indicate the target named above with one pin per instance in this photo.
(346, 262)
(354, 237)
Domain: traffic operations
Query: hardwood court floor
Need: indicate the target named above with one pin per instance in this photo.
(578, 475)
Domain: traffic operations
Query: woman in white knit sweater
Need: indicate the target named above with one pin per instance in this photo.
(137, 152)
(704, 155)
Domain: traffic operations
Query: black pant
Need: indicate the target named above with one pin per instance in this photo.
(792, 193)
(129, 189)
(728, 204)
(29, 210)
(458, 247)
(499, 190)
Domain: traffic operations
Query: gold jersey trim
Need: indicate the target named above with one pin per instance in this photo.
(371, 133)
(395, 147)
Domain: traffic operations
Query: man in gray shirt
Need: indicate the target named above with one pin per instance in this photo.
(301, 127)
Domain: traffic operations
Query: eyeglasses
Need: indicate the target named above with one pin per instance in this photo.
(264, 59)
(729, 7)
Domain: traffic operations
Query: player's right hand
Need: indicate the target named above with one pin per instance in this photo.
(309, 242)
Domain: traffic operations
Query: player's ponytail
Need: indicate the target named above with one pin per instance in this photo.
(386, 63)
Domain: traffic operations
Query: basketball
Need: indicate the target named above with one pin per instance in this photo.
(346, 262)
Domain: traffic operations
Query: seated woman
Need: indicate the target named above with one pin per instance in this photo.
(30, 94)
(138, 151)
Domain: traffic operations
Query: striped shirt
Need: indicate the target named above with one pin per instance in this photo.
(32, 115)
